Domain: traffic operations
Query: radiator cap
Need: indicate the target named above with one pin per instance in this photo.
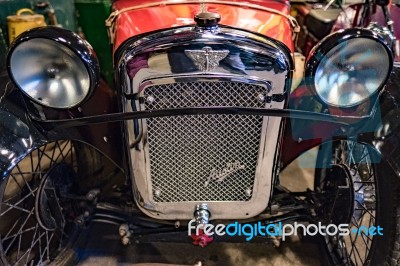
(207, 19)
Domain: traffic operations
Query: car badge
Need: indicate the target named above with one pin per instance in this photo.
(221, 174)
(206, 59)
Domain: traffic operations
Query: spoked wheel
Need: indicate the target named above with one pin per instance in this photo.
(36, 216)
(361, 191)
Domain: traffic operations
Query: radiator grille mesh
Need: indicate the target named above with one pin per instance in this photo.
(184, 151)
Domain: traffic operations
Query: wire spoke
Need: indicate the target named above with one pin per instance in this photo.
(14, 206)
(39, 163)
(15, 180)
(61, 150)
(51, 158)
(358, 253)
(352, 246)
(20, 230)
(19, 233)
(366, 210)
(26, 241)
(23, 177)
(356, 158)
(19, 245)
(61, 154)
(33, 244)
(12, 197)
(363, 235)
(12, 228)
(30, 249)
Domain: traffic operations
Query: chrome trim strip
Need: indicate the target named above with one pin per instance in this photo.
(345, 121)
(239, 42)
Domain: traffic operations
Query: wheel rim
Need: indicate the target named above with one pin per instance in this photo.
(355, 248)
(26, 237)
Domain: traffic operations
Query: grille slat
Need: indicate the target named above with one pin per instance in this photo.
(184, 151)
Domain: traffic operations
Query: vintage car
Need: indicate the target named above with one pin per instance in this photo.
(210, 105)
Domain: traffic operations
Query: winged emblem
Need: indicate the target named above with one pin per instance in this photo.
(206, 59)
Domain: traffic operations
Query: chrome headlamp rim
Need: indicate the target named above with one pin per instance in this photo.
(72, 41)
(317, 54)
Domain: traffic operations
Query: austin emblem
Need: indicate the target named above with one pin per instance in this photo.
(206, 59)
(220, 174)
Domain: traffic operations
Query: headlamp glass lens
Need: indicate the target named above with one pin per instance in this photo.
(50, 73)
(351, 72)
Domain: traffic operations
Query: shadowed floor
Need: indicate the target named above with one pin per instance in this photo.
(105, 248)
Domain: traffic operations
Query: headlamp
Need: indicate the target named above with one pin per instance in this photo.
(53, 67)
(348, 67)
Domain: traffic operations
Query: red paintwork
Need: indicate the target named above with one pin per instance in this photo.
(144, 20)
(303, 135)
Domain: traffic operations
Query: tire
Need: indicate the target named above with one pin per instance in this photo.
(37, 218)
(369, 197)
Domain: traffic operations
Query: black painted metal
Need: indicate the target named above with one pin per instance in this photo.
(293, 114)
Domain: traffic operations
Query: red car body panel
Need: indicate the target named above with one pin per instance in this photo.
(163, 16)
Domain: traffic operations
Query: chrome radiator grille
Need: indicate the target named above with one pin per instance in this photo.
(203, 157)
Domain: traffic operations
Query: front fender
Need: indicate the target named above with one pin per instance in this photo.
(18, 135)
(383, 130)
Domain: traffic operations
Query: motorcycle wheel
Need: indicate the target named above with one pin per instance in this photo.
(37, 214)
(360, 190)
